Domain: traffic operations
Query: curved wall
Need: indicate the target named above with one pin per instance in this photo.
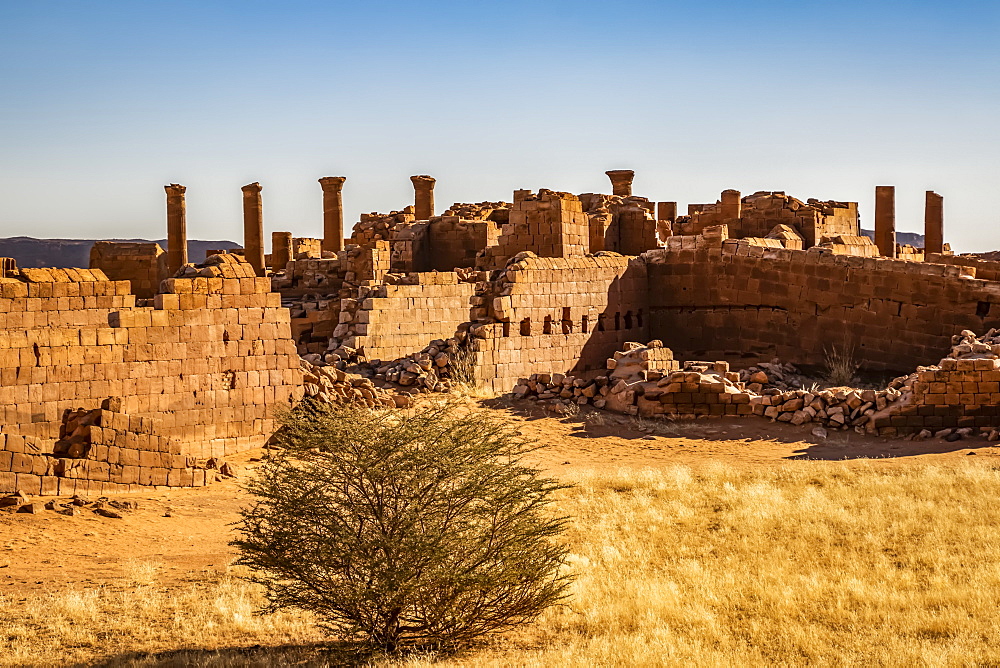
(745, 303)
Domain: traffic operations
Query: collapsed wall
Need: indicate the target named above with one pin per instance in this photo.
(756, 215)
(395, 320)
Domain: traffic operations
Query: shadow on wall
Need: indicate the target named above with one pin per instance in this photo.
(744, 305)
(625, 319)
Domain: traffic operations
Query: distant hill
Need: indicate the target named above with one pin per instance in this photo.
(30, 252)
(903, 238)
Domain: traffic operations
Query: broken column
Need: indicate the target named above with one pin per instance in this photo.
(423, 196)
(933, 223)
(621, 181)
(281, 250)
(885, 220)
(177, 255)
(253, 228)
(333, 213)
(731, 206)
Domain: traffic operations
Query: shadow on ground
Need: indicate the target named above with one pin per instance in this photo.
(307, 656)
(589, 422)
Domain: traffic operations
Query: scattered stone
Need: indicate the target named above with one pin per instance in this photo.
(33, 508)
(108, 512)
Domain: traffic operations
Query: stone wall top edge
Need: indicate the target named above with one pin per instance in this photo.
(736, 247)
(579, 262)
(59, 275)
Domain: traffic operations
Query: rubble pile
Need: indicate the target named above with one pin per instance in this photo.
(432, 369)
(774, 375)
(637, 364)
(330, 385)
(20, 502)
(225, 265)
(496, 211)
(380, 226)
(646, 381)
(842, 408)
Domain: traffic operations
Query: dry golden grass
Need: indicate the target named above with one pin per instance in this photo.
(809, 563)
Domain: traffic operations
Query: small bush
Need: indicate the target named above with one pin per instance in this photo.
(841, 364)
(463, 367)
(401, 530)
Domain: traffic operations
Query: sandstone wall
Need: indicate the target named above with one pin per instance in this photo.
(550, 224)
(762, 211)
(396, 320)
(454, 242)
(141, 264)
(958, 393)
(743, 303)
(210, 360)
(562, 315)
(988, 270)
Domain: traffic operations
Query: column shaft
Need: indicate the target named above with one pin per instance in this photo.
(933, 223)
(423, 196)
(253, 228)
(885, 220)
(732, 204)
(281, 250)
(177, 255)
(333, 213)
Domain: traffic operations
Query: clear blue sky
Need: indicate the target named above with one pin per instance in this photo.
(103, 102)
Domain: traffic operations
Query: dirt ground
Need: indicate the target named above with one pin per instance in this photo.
(187, 530)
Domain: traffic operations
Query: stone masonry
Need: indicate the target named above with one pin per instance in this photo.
(187, 362)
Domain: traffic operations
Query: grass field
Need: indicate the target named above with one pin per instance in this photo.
(806, 563)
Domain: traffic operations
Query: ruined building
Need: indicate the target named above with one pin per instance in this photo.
(174, 359)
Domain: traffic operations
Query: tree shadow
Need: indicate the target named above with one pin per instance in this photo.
(306, 655)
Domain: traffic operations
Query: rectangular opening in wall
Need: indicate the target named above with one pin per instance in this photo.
(547, 325)
(983, 309)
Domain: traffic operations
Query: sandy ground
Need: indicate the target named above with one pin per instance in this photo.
(187, 530)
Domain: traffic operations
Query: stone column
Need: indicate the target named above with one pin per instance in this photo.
(933, 223)
(177, 252)
(281, 250)
(253, 228)
(333, 213)
(666, 211)
(732, 205)
(621, 181)
(423, 196)
(885, 220)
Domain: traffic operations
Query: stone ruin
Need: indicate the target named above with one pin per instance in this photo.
(147, 369)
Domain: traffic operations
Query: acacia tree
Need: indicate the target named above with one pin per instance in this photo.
(401, 529)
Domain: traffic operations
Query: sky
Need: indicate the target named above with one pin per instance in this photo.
(104, 102)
